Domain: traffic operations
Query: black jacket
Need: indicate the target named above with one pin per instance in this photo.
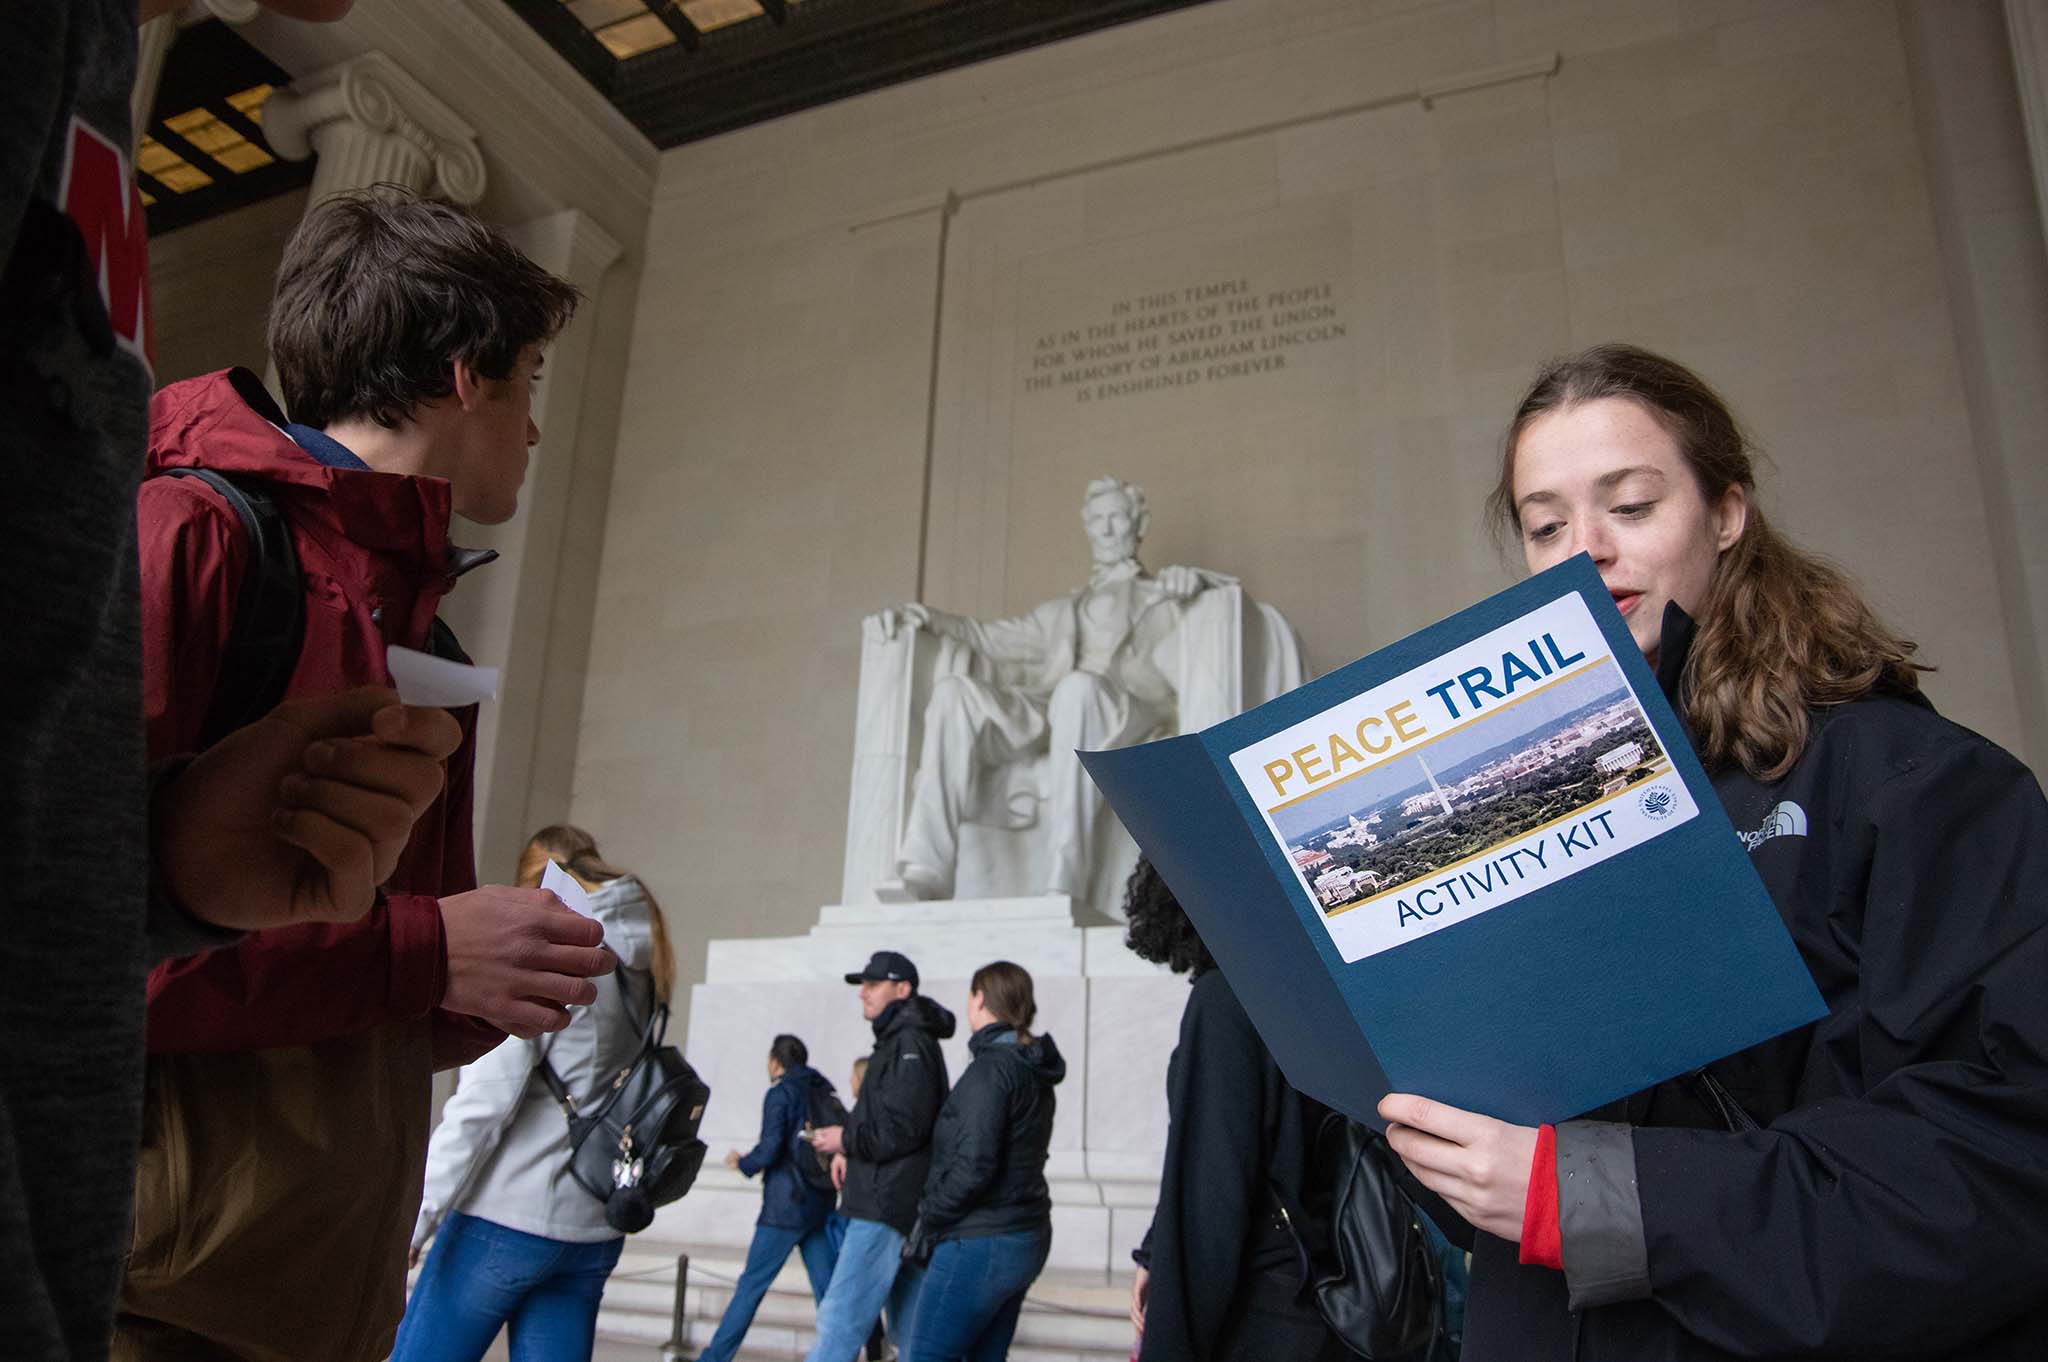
(1234, 1128)
(989, 1147)
(787, 1201)
(1895, 1203)
(888, 1134)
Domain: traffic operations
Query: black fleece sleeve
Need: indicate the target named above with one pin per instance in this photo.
(976, 1122)
(897, 1107)
(1211, 1187)
(1833, 1230)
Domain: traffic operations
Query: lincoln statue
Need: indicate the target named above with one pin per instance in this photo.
(1076, 673)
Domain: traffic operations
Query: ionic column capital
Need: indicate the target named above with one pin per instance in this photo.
(370, 121)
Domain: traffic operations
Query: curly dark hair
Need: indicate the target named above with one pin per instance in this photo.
(1158, 927)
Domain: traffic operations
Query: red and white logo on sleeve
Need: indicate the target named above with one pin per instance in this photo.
(99, 193)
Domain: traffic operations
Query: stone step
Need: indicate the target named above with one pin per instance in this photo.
(1068, 1317)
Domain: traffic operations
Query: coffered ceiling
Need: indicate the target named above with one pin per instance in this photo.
(686, 69)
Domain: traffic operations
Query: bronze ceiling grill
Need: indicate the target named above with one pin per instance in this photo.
(681, 70)
(203, 152)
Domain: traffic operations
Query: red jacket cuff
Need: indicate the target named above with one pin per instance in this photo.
(419, 954)
(1542, 1243)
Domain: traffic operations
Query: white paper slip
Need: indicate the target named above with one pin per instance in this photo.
(423, 679)
(563, 886)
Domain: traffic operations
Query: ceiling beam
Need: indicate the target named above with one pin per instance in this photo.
(827, 51)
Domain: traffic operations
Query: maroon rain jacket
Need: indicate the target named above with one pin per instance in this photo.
(375, 559)
(291, 1074)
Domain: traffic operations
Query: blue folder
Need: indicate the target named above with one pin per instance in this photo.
(1658, 959)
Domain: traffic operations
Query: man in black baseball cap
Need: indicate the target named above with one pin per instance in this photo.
(882, 1153)
(885, 967)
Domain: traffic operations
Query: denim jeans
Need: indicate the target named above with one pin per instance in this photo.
(765, 1257)
(863, 1280)
(967, 1305)
(481, 1276)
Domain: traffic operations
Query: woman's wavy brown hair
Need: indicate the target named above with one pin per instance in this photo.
(576, 852)
(1783, 631)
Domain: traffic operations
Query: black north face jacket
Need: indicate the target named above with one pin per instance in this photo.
(1893, 1202)
(888, 1135)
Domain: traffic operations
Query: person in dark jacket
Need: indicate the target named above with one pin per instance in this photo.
(141, 878)
(1219, 1277)
(984, 1223)
(1870, 1185)
(882, 1153)
(794, 1213)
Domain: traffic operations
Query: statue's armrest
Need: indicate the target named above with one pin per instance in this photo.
(896, 677)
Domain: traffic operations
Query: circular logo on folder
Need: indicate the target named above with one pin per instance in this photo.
(1657, 803)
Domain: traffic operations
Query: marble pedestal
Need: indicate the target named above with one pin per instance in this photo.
(1114, 1016)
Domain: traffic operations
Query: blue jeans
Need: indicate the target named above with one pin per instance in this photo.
(765, 1257)
(863, 1281)
(480, 1276)
(972, 1292)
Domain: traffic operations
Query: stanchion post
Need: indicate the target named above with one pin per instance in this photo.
(679, 1319)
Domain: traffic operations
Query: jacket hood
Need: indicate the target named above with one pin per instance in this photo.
(1676, 633)
(626, 912)
(1040, 1057)
(804, 1076)
(1674, 643)
(227, 422)
(918, 1012)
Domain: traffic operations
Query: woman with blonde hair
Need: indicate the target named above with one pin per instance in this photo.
(1870, 1185)
(517, 1242)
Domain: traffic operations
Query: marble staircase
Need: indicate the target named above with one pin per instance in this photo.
(1068, 1316)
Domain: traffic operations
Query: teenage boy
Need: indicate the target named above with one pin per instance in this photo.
(884, 1151)
(290, 1074)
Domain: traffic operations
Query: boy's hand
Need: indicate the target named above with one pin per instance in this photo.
(300, 816)
(519, 959)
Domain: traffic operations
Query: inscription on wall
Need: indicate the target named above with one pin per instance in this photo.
(1205, 332)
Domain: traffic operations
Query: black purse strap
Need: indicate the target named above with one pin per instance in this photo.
(1731, 1111)
(652, 1032)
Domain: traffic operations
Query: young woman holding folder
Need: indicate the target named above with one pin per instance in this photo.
(1875, 1184)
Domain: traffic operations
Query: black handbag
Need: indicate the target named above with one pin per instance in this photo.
(1374, 1277)
(634, 1144)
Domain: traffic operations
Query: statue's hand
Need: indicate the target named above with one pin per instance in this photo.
(1181, 583)
(885, 624)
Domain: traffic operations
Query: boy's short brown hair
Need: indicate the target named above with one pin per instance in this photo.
(381, 290)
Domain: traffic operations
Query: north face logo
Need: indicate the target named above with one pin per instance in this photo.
(1785, 819)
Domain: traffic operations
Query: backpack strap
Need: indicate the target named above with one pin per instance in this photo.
(270, 610)
(555, 1087)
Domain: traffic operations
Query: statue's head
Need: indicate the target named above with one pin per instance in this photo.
(1114, 513)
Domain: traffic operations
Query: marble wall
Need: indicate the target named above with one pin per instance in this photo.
(210, 284)
(832, 401)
